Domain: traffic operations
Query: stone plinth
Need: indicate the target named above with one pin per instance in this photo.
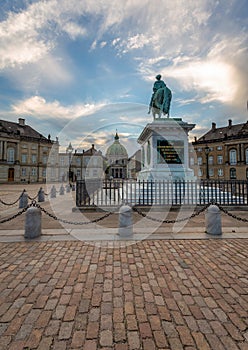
(165, 150)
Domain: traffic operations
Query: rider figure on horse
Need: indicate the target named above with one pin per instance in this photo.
(161, 98)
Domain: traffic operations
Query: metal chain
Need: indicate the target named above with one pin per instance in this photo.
(171, 221)
(9, 204)
(231, 215)
(33, 198)
(67, 221)
(15, 215)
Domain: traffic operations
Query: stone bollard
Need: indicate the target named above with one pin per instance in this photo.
(125, 221)
(41, 195)
(53, 192)
(23, 202)
(213, 220)
(68, 188)
(62, 190)
(33, 223)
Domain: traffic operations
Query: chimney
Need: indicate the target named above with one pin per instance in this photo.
(21, 121)
(93, 146)
(229, 123)
(195, 138)
(213, 126)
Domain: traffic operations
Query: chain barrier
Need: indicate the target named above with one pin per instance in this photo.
(67, 221)
(230, 214)
(171, 221)
(15, 215)
(33, 198)
(9, 204)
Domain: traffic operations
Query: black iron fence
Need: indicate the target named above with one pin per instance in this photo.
(99, 193)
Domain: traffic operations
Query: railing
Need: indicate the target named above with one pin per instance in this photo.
(91, 193)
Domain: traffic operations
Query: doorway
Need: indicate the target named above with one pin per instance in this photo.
(11, 174)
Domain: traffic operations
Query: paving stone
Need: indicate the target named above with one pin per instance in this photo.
(72, 295)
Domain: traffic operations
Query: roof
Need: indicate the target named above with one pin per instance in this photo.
(116, 150)
(19, 130)
(226, 132)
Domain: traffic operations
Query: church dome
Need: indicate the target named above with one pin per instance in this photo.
(116, 150)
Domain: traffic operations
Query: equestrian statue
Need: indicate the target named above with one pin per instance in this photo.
(161, 99)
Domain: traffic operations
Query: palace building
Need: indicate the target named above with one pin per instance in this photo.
(25, 154)
(222, 153)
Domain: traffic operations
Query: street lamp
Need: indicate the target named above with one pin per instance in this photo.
(207, 150)
(69, 150)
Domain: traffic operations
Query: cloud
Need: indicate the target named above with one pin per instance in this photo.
(40, 108)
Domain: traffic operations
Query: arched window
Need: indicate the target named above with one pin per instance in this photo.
(232, 173)
(246, 156)
(210, 160)
(233, 156)
(10, 155)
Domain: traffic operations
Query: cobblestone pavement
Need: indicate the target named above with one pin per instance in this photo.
(161, 294)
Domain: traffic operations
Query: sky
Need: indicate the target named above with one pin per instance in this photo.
(80, 69)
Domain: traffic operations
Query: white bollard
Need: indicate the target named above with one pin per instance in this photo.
(213, 220)
(53, 192)
(62, 190)
(125, 221)
(23, 202)
(33, 223)
(41, 195)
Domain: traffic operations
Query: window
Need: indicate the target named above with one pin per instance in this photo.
(95, 172)
(199, 172)
(210, 160)
(52, 159)
(11, 155)
(78, 161)
(24, 172)
(220, 172)
(246, 156)
(219, 148)
(33, 171)
(62, 161)
(211, 172)
(44, 172)
(199, 160)
(232, 173)
(24, 158)
(199, 149)
(233, 156)
(78, 173)
(34, 158)
(44, 159)
(220, 159)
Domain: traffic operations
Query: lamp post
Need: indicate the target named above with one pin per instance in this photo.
(207, 150)
(69, 150)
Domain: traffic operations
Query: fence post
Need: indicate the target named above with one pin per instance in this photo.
(125, 221)
(213, 220)
(41, 195)
(33, 223)
(23, 202)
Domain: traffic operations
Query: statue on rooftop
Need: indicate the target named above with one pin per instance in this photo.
(161, 98)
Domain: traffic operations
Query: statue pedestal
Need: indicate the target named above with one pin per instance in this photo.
(165, 151)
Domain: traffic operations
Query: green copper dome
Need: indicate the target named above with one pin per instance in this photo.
(116, 150)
